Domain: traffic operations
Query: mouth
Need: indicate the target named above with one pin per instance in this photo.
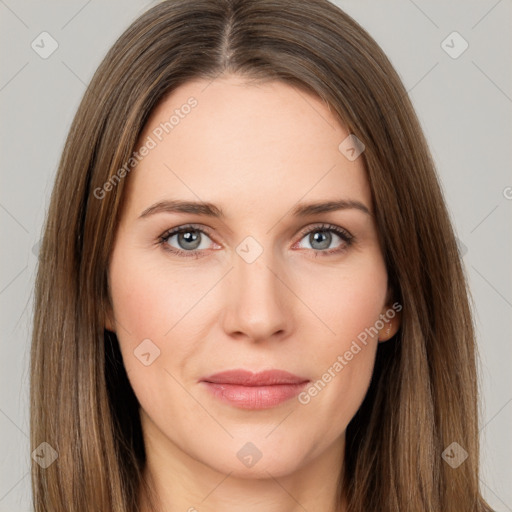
(248, 390)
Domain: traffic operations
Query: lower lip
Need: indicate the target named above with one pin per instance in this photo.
(254, 397)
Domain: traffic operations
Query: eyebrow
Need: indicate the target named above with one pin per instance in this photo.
(211, 210)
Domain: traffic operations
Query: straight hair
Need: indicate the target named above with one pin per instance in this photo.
(423, 395)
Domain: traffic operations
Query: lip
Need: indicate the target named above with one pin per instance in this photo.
(248, 390)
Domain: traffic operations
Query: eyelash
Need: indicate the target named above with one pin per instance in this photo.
(347, 238)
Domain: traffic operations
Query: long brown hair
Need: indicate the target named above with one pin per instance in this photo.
(423, 395)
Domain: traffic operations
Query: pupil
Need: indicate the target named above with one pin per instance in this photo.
(323, 237)
(190, 239)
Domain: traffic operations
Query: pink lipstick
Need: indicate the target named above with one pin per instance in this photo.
(248, 390)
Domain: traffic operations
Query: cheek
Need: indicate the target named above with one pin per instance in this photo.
(348, 300)
(149, 299)
(159, 310)
(154, 337)
(144, 308)
(350, 306)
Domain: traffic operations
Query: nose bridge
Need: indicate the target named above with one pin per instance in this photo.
(257, 304)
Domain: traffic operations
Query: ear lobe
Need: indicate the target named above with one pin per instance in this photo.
(108, 320)
(391, 325)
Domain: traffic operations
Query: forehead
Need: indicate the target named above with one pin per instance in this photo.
(252, 144)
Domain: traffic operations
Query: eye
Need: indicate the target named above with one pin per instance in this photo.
(320, 238)
(189, 240)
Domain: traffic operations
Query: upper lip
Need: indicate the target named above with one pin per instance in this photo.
(247, 378)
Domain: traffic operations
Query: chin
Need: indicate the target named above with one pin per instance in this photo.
(256, 460)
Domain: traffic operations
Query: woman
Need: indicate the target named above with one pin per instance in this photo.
(237, 368)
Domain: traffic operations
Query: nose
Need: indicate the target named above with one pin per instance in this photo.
(259, 304)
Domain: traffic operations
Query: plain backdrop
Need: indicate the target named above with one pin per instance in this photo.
(463, 99)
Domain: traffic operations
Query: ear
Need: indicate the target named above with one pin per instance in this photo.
(108, 320)
(390, 328)
(391, 316)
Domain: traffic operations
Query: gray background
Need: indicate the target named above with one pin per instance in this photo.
(464, 104)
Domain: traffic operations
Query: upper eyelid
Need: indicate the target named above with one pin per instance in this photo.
(326, 227)
(173, 231)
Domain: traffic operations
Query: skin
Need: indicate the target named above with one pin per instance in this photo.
(255, 151)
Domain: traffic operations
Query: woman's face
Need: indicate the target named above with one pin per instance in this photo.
(254, 287)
